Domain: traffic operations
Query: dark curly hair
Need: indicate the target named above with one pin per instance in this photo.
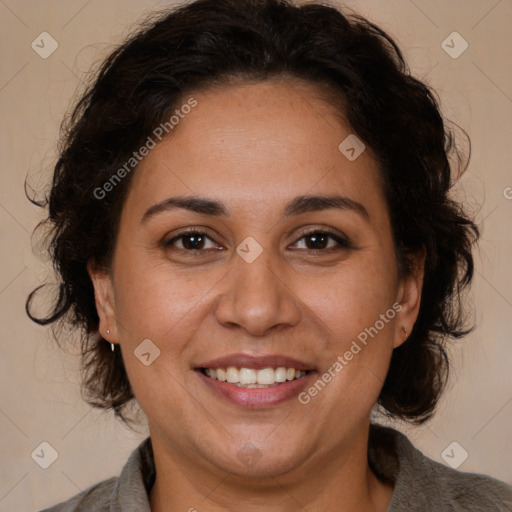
(210, 42)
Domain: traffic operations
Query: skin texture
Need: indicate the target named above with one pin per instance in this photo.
(254, 147)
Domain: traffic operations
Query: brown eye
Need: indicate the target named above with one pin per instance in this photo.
(322, 240)
(191, 241)
(317, 241)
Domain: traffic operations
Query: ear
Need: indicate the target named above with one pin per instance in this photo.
(105, 303)
(409, 298)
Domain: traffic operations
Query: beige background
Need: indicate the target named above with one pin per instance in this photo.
(40, 398)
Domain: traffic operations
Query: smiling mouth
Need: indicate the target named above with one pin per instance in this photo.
(254, 378)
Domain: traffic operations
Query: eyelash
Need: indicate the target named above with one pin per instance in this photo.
(343, 242)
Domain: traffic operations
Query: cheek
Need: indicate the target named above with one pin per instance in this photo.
(351, 299)
(153, 301)
(354, 310)
(357, 322)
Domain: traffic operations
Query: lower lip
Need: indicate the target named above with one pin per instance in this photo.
(255, 398)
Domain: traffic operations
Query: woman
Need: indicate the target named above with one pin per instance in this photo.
(252, 224)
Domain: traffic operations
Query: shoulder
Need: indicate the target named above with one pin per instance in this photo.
(471, 491)
(97, 497)
(126, 493)
(424, 484)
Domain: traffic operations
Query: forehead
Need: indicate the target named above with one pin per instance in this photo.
(258, 143)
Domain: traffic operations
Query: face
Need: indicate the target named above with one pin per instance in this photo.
(290, 264)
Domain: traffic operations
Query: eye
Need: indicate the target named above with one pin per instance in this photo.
(191, 241)
(323, 241)
(314, 240)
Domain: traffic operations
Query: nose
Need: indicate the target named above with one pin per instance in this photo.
(257, 297)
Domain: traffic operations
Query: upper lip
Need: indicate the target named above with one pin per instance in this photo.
(256, 362)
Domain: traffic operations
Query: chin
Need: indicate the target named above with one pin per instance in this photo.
(256, 460)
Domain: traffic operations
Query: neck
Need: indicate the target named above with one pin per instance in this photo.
(339, 482)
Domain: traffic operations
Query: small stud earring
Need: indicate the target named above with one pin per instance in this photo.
(108, 331)
(405, 332)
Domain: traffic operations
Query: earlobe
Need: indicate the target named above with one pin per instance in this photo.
(409, 298)
(105, 304)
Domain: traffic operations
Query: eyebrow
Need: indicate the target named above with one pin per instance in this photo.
(298, 205)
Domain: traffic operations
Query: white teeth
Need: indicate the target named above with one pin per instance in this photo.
(251, 378)
(280, 374)
(232, 375)
(248, 376)
(266, 376)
